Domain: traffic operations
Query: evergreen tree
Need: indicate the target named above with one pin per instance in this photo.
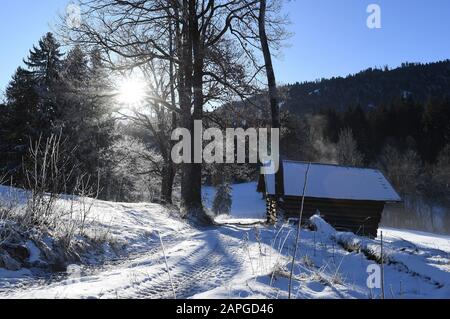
(103, 127)
(64, 96)
(356, 120)
(441, 175)
(85, 119)
(20, 121)
(3, 142)
(333, 126)
(44, 60)
(222, 200)
(76, 67)
(44, 63)
(436, 127)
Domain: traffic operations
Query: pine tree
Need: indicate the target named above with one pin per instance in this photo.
(73, 108)
(436, 127)
(31, 105)
(64, 96)
(44, 60)
(102, 121)
(44, 63)
(222, 200)
(76, 67)
(20, 121)
(85, 119)
(441, 175)
(3, 142)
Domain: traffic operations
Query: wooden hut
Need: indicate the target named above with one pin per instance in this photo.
(349, 198)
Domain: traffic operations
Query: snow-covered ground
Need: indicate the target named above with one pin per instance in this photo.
(238, 261)
(418, 238)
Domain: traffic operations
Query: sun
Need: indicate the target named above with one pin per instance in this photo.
(131, 91)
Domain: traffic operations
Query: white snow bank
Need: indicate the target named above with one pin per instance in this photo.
(415, 255)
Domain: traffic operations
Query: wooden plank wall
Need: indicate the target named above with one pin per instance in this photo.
(359, 217)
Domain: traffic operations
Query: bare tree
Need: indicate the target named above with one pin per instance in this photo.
(347, 149)
(209, 47)
(138, 31)
(402, 168)
(159, 122)
(48, 174)
(271, 80)
(272, 88)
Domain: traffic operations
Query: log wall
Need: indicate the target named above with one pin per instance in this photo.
(359, 217)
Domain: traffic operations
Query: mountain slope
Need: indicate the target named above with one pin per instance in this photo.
(371, 88)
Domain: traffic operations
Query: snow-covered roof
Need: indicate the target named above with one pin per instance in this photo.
(334, 182)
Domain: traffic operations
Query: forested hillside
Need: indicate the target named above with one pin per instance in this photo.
(371, 88)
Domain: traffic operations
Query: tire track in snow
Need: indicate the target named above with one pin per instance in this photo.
(202, 269)
(196, 265)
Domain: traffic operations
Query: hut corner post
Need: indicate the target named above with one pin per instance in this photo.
(272, 207)
(273, 202)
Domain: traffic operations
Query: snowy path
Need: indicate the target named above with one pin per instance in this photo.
(195, 265)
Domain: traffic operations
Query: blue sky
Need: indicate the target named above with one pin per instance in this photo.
(22, 24)
(330, 37)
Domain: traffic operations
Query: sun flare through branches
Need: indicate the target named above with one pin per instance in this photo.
(131, 91)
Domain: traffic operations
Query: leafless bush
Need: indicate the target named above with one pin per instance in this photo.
(8, 207)
(77, 217)
(47, 175)
(56, 204)
(50, 175)
(4, 212)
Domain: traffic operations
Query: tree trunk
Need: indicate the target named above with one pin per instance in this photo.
(169, 169)
(184, 53)
(197, 210)
(272, 84)
(273, 92)
(191, 79)
(167, 182)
